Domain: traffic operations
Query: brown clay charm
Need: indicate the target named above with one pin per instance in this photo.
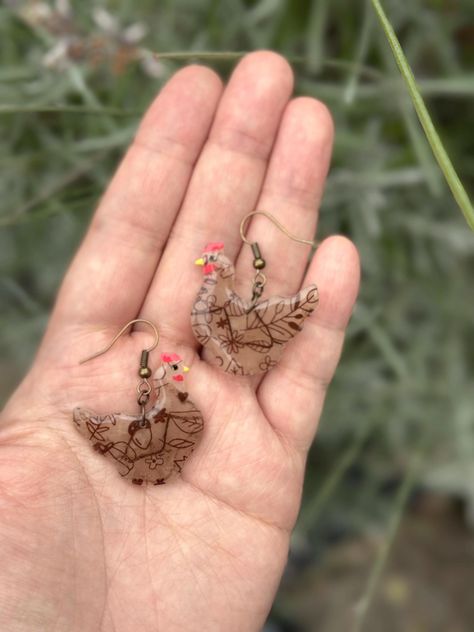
(244, 337)
(152, 446)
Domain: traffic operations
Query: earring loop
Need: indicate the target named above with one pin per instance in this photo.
(120, 333)
(243, 226)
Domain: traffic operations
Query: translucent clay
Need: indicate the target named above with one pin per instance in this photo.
(241, 337)
(153, 446)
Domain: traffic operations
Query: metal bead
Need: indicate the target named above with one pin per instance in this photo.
(259, 263)
(144, 372)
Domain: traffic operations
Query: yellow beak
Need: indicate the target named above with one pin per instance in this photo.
(186, 369)
(199, 262)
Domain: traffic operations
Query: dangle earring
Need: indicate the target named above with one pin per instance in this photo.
(153, 444)
(246, 337)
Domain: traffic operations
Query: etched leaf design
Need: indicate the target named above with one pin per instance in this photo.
(188, 425)
(279, 308)
(294, 326)
(279, 317)
(270, 311)
(313, 296)
(261, 346)
(180, 443)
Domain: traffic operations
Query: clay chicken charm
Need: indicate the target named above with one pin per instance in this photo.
(154, 446)
(244, 337)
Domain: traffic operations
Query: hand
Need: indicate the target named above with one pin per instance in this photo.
(84, 550)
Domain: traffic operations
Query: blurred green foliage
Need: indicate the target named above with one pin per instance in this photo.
(404, 387)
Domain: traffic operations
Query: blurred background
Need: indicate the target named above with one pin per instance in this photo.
(385, 536)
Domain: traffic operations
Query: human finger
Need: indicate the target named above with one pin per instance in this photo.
(292, 394)
(291, 192)
(113, 268)
(225, 185)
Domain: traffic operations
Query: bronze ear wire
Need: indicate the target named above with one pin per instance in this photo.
(144, 387)
(259, 262)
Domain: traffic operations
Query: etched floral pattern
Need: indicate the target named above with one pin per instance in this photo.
(267, 363)
(245, 338)
(154, 461)
(152, 448)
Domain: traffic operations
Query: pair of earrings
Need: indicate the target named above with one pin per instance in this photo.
(243, 337)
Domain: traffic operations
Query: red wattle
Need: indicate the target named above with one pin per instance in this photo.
(209, 268)
(178, 378)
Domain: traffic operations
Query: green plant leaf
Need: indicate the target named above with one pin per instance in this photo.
(458, 191)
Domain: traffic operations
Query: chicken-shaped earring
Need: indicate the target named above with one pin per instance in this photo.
(246, 337)
(153, 444)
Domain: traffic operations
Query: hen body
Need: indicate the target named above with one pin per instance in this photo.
(152, 447)
(242, 338)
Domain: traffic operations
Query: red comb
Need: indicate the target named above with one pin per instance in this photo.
(214, 245)
(170, 357)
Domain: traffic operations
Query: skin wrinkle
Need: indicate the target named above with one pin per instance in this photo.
(102, 534)
(293, 376)
(161, 146)
(150, 574)
(303, 199)
(221, 501)
(215, 570)
(300, 446)
(282, 443)
(179, 549)
(327, 326)
(173, 528)
(116, 228)
(106, 577)
(247, 464)
(110, 576)
(238, 141)
(74, 574)
(282, 438)
(237, 572)
(213, 545)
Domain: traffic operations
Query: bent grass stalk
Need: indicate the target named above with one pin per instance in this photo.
(401, 500)
(446, 166)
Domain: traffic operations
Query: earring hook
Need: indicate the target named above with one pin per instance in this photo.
(243, 226)
(120, 333)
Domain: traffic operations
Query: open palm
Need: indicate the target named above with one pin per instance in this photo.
(84, 550)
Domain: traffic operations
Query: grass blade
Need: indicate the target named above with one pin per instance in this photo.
(16, 108)
(454, 183)
(395, 520)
